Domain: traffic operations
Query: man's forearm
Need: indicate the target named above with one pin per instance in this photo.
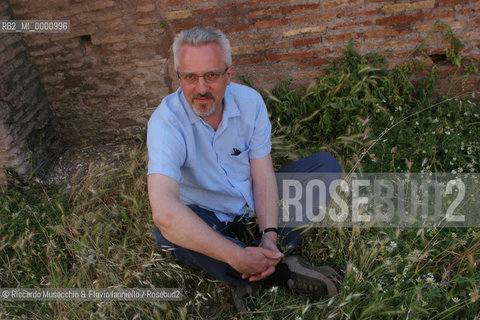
(265, 193)
(181, 226)
(184, 228)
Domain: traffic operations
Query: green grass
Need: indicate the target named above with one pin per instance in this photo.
(99, 233)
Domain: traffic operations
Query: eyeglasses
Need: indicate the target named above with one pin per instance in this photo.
(209, 77)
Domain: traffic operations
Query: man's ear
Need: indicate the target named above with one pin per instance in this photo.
(229, 75)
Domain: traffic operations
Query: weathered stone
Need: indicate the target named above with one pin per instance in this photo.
(29, 137)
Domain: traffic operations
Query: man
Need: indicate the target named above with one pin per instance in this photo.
(210, 173)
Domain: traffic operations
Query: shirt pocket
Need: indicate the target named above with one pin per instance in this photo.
(239, 164)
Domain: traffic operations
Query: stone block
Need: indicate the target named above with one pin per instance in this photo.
(296, 32)
(179, 14)
(409, 6)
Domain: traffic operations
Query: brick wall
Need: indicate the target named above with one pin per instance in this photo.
(106, 76)
(29, 137)
(275, 39)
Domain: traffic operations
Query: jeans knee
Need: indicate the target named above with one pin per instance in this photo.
(330, 164)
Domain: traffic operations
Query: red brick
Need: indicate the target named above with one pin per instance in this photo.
(279, 66)
(320, 62)
(289, 56)
(212, 10)
(273, 76)
(312, 18)
(476, 22)
(222, 20)
(255, 4)
(358, 13)
(323, 51)
(381, 33)
(304, 42)
(300, 8)
(339, 3)
(270, 23)
(343, 36)
(248, 60)
(353, 24)
(235, 28)
(445, 3)
(266, 12)
(101, 5)
(438, 15)
(170, 3)
(184, 24)
(399, 19)
(254, 36)
(210, 3)
(271, 45)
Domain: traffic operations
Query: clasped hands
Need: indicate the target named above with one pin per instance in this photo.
(259, 262)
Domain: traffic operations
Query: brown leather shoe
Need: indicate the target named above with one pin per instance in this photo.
(304, 278)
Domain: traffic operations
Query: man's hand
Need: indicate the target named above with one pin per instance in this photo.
(256, 262)
(258, 267)
(269, 242)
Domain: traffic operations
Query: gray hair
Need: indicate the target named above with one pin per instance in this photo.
(200, 36)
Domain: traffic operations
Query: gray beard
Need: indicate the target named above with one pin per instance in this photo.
(206, 113)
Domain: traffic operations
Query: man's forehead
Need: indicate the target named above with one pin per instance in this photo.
(203, 47)
(208, 55)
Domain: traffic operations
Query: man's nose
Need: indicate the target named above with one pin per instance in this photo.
(202, 86)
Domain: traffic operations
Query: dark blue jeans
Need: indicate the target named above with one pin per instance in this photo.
(241, 229)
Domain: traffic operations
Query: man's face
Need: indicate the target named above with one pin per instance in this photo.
(204, 97)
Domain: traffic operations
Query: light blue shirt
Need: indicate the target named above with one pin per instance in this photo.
(184, 147)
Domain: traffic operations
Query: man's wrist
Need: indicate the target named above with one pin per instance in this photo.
(272, 236)
(269, 230)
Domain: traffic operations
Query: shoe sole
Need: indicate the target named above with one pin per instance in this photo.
(311, 274)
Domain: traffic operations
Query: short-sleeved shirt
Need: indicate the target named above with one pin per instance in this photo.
(211, 167)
